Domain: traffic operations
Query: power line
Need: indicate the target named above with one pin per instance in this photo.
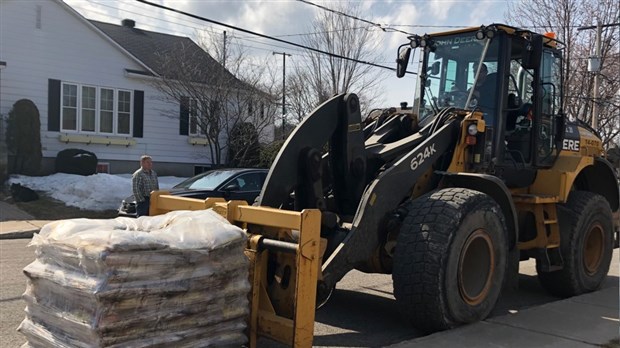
(209, 29)
(212, 30)
(266, 36)
(142, 15)
(321, 32)
(382, 27)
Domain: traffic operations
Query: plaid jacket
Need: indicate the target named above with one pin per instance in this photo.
(143, 183)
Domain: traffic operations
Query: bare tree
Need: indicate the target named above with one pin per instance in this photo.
(215, 101)
(564, 17)
(317, 77)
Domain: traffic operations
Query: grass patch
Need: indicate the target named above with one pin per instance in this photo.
(615, 343)
(47, 208)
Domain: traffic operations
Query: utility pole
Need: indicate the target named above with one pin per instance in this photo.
(594, 66)
(284, 54)
(597, 74)
(4, 152)
(224, 52)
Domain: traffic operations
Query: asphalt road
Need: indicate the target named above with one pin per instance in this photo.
(361, 313)
(14, 256)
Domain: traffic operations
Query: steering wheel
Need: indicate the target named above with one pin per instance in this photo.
(458, 97)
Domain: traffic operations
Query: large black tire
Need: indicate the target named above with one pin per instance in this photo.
(450, 259)
(586, 245)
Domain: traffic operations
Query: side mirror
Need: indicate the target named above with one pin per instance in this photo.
(532, 54)
(232, 187)
(403, 60)
(435, 68)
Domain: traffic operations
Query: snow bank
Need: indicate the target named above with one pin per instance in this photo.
(93, 192)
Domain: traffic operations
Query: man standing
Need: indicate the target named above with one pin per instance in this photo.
(143, 182)
(482, 76)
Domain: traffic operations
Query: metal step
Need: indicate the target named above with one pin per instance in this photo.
(550, 259)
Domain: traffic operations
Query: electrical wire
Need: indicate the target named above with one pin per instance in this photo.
(267, 36)
(382, 27)
(210, 29)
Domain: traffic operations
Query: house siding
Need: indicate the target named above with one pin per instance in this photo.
(69, 49)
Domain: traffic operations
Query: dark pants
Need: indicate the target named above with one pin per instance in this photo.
(142, 208)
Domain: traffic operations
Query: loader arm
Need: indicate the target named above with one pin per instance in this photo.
(354, 200)
(382, 196)
(337, 121)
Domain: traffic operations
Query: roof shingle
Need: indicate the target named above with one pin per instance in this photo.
(169, 56)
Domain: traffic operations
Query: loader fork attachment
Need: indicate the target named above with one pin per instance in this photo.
(284, 252)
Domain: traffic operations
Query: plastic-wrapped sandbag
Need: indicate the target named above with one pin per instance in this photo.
(179, 279)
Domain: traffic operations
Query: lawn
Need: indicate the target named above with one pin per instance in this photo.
(47, 208)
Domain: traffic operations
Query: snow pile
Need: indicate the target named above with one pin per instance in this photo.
(92, 192)
(174, 280)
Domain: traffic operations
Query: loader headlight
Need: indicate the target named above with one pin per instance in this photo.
(486, 32)
(472, 129)
(414, 41)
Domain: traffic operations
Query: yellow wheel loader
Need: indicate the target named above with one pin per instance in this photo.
(448, 195)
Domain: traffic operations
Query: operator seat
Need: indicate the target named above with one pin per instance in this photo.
(514, 111)
(518, 136)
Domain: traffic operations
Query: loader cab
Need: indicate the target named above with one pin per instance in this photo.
(533, 122)
(514, 78)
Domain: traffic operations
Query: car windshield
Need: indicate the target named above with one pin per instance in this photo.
(206, 181)
(449, 73)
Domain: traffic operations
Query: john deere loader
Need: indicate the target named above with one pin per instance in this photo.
(484, 170)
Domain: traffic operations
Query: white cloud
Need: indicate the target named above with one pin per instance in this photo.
(366, 6)
(406, 14)
(479, 13)
(440, 9)
(292, 17)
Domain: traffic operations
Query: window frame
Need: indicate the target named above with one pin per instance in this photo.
(118, 92)
(195, 113)
(76, 107)
(98, 109)
(81, 109)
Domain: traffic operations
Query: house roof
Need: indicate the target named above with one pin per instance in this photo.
(169, 56)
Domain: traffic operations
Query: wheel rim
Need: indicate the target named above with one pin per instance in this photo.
(476, 267)
(593, 249)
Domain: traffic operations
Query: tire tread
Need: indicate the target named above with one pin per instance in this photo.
(421, 253)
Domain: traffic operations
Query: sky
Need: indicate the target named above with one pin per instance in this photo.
(287, 19)
(96, 192)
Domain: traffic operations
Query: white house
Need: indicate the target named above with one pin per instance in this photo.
(90, 83)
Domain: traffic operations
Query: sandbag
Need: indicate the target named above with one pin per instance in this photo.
(179, 279)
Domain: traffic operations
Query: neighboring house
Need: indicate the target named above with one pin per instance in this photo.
(92, 84)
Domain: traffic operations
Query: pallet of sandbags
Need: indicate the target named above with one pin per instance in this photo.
(179, 279)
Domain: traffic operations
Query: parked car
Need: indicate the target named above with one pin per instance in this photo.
(230, 184)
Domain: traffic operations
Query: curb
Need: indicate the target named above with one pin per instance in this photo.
(19, 234)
